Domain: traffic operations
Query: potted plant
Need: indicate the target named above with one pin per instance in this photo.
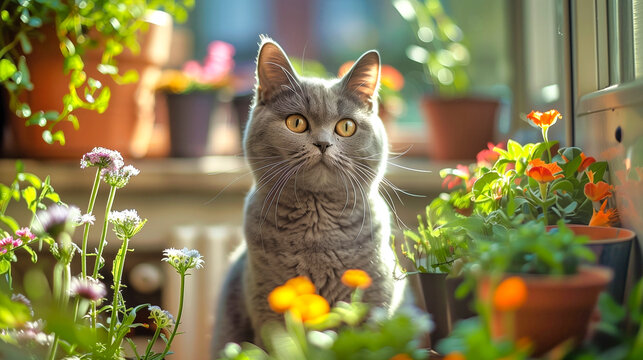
(192, 94)
(533, 284)
(61, 63)
(449, 109)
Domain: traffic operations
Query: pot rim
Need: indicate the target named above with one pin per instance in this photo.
(621, 234)
(587, 276)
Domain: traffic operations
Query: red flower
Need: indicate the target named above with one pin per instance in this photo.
(543, 172)
(546, 119)
(598, 191)
(451, 181)
(587, 161)
(488, 157)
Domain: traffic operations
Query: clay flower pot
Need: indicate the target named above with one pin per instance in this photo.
(612, 246)
(556, 309)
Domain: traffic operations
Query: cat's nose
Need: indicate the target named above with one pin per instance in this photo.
(322, 145)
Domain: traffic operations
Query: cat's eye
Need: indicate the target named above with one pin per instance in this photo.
(296, 123)
(345, 127)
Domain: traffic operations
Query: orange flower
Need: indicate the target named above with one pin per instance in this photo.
(454, 356)
(401, 357)
(391, 78)
(586, 162)
(598, 191)
(543, 172)
(603, 217)
(309, 307)
(356, 279)
(281, 298)
(546, 119)
(511, 294)
(301, 285)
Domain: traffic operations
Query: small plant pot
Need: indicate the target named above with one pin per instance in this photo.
(612, 247)
(557, 309)
(459, 127)
(437, 297)
(190, 122)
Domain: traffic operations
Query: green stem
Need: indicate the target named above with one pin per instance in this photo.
(90, 208)
(547, 143)
(178, 318)
(9, 46)
(62, 280)
(543, 196)
(103, 235)
(117, 271)
(51, 355)
(149, 346)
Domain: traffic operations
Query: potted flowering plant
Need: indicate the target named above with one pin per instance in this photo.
(314, 330)
(192, 94)
(440, 48)
(532, 284)
(68, 319)
(100, 49)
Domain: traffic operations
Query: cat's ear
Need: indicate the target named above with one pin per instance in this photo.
(363, 79)
(274, 71)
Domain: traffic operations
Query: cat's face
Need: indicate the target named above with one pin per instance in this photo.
(323, 134)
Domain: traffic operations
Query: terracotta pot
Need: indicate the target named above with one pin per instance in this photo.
(459, 127)
(437, 297)
(557, 309)
(611, 245)
(127, 123)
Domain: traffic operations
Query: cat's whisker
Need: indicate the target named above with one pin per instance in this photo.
(364, 206)
(282, 189)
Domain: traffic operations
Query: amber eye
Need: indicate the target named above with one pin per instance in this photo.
(296, 123)
(345, 127)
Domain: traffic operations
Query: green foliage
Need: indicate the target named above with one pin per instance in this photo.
(439, 45)
(110, 26)
(531, 249)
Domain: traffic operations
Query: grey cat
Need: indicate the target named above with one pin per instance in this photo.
(318, 151)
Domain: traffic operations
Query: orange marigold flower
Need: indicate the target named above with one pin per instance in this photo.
(356, 279)
(309, 307)
(543, 172)
(301, 285)
(603, 217)
(401, 357)
(455, 356)
(546, 119)
(391, 78)
(281, 298)
(598, 191)
(511, 294)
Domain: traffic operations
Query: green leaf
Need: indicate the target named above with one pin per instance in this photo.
(73, 62)
(10, 222)
(25, 78)
(4, 15)
(74, 121)
(102, 101)
(483, 181)
(5, 265)
(38, 119)
(107, 69)
(563, 185)
(7, 69)
(78, 77)
(20, 166)
(23, 111)
(33, 254)
(30, 195)
(131, 76)
(32, 179)
(599, 169)
(51, 115)
(35, 22)
(59, 136)
(47, 137)
(24, 43)
(53, 197)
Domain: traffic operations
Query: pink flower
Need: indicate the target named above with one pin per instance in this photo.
(9, 243)
(193, 68)
(103, 158)
(488, 157)
(451, 181)
(25, 233)
(87, 288)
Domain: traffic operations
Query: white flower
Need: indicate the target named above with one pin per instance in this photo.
(87, 288)
(162, 318)
(84, 219)
(184, 259)
(102, 158)
(118, 178)
(126, 223)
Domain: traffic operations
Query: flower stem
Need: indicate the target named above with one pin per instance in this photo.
(90, 208)
(117, 271)
(103, 235)
(547, 143)
(149, 346)
(178, 318)
(543, 196)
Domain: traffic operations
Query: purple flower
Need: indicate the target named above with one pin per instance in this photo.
(87, 288)
(102, 158)
(9, 243)
(25, 233)
(56, 219)
(118, 178)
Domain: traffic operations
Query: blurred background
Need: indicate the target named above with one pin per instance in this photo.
(183, 122)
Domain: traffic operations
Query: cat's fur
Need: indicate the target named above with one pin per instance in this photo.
(310, 212)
